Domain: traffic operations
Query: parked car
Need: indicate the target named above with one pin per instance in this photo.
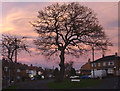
(98, 74)
(84, 77)
(74, 76)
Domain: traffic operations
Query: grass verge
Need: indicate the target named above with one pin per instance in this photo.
(84, 83)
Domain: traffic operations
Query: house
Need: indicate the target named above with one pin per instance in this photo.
(34, 71)
(22, 75)
(111, 64)
(5, 73)
(22, 72)
(85, 69)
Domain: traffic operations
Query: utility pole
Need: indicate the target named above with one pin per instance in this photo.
(15, 59)
(9, 73)
(93, 59)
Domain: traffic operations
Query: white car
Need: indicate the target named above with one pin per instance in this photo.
(74, 76)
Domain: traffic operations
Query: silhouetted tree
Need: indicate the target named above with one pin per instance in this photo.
(12, 43)
(11, 46)
(56, 74)
(68, 66)
(72, 72)
(68, 29)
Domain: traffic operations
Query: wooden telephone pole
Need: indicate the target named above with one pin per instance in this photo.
(15, 78)
(93, 60)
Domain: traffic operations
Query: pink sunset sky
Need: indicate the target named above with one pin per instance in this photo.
(17, 15)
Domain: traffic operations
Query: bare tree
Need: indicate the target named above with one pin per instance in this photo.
(68, 29)
(11, 46)
(12, 43)
(68, 67)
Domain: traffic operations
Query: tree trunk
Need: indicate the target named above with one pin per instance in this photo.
(62, 68)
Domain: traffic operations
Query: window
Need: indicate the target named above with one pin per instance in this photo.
(27, 71)
(39, 73)
(18, 70)
(94, 64)
(110, 71)
(18, 77)
(111, 63)
(104, 63)
(99, 64)
(5, 68)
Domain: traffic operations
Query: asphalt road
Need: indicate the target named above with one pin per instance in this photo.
(108, 83)
(39, 84)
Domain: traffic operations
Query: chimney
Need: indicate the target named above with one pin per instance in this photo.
(103, 56)
(115, 53)
(89, 60)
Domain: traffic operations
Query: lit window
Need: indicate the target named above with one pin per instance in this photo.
(18, 70)
(39, 73)
(99, 64)
(104, 63)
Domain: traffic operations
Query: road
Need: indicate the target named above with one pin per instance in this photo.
(39, 84)
(108, 83)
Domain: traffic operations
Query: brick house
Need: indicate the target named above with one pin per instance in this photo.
(22, 72)
(22, 75)
(5, 72)
(85, 69)
(109, 63)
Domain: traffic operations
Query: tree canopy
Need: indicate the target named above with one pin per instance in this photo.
(68, 29)
(12, 43)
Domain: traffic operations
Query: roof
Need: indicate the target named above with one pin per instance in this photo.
(85, 66)
(107, 58)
